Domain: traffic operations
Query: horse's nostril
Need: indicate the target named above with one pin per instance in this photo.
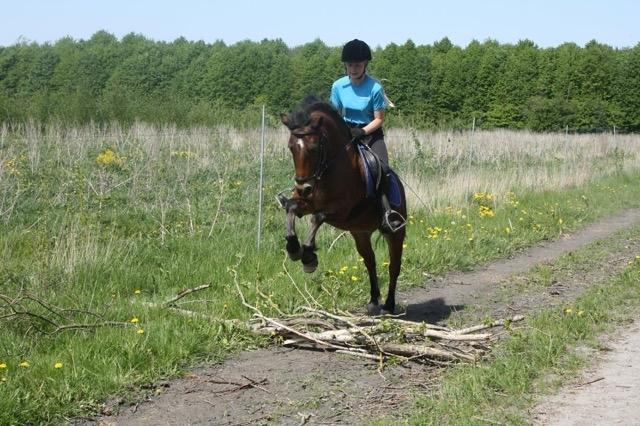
(304, 190)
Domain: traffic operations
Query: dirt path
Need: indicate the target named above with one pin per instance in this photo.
(607, 393)
(294, 387)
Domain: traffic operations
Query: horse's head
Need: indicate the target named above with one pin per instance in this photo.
(309, 146)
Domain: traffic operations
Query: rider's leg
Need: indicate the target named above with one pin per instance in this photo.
(391, 220)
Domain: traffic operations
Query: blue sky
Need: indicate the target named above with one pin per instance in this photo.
(545, 22)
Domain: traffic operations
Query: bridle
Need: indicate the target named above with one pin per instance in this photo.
(321, 166)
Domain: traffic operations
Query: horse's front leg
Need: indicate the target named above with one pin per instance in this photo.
(309, 257)
(293, 245)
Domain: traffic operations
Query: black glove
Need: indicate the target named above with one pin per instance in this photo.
(357, 133)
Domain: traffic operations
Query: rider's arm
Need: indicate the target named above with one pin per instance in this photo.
(378, 119)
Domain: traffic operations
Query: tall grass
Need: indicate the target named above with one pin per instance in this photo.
(104, 223)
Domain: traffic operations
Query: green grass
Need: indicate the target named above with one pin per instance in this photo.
(502, 388)
(109, 237)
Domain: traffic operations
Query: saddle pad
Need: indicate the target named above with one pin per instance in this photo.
(394, 195)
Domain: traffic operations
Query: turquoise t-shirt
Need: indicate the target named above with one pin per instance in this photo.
(356, 104)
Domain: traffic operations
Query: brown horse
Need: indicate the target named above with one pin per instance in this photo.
(330, 186)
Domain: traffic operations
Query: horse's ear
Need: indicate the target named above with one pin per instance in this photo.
(316, 122)
(286, 120)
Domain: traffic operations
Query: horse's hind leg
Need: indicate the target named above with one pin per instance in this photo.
(395, 243)
(293, 245)
(363, 245)
(309, 257)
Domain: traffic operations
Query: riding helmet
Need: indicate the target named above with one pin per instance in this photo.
(356, 51)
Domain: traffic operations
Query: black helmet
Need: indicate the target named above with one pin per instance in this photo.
(356, 51)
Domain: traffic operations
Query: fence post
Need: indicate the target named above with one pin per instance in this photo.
(261, 180)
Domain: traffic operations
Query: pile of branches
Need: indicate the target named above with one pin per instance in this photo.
(380, 338)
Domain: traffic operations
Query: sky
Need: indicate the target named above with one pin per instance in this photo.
(548, 23)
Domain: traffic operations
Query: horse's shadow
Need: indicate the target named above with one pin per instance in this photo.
(432, 311)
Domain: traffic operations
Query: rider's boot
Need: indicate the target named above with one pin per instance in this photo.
(392, 221)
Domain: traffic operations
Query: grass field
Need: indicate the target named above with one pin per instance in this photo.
(101, 225)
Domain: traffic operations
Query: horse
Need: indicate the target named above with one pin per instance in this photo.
(329, 185)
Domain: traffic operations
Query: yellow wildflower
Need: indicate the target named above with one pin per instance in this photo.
(137, 291)
(24, 364)
(134, 320)
(107, 157)
(140, 331)
(3, 365)
(486, 211)
(354, 278)
(57, 365)
(568, 311)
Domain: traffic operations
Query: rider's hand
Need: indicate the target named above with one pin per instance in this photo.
(357, 133)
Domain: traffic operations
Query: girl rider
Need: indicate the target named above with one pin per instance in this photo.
(361, 101)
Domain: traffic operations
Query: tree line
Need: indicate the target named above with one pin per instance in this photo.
(493, 85)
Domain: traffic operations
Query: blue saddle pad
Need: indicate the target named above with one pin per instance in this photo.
(394, 194)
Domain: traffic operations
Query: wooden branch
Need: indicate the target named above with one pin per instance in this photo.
(16, 310)
(493, 324)
(419, 350)
(185, 292)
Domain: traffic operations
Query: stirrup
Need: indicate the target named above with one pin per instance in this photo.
(393, 221)
(281, 199)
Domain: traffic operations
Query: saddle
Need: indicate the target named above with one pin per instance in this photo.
(378, 176)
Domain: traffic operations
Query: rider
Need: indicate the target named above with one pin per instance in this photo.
(361, 101)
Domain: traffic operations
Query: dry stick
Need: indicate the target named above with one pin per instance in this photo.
(91, 326)
(493, 324)
(359, 354)
(335, 240)
(411, 350)
(589, 382)
(194, 314)
(185, 292)
(218, 209)
(376, 320)
(11, 304)
(268, 299)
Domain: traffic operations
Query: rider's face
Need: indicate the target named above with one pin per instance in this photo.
(355, 70)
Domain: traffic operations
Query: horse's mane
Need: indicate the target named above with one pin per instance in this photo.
(300, 117)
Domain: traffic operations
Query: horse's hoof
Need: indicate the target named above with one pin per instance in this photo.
(309, 259)
(309, 268)
(309, 262)
(295, 255)
(373, 309)
(293, 248)
(387, 310)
